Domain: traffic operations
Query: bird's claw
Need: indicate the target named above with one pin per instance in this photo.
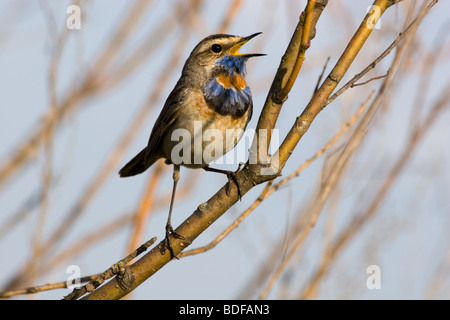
(167, 244)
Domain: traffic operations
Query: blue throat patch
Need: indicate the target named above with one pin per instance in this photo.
(228, 100)
(232, 64)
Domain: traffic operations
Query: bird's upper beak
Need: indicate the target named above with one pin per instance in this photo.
(234, 50)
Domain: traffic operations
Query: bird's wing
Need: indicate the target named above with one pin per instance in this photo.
(168, 115)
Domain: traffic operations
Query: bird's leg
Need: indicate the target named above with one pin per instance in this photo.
(169, 228)
(231, 176)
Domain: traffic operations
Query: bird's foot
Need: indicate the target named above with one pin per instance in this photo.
(167, 244)
(232, 177)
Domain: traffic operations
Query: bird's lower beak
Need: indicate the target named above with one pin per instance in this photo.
(234, 50)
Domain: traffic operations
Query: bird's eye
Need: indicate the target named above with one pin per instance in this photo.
(216, 48)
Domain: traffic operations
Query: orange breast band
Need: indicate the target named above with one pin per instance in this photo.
(224, 80)
(238, 82)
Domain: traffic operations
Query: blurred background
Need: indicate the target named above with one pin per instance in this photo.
(77, 104)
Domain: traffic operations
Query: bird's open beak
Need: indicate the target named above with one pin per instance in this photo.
(234, 50)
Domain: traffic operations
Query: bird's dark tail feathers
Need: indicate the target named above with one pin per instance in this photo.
(136, 165)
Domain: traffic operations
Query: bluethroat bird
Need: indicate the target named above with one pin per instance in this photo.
(210, 96)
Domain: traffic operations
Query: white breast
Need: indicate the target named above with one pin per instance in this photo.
(200, 135)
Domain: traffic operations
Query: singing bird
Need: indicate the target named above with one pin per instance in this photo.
(210, 96)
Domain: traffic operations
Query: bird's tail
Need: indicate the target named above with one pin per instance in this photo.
(136, 165)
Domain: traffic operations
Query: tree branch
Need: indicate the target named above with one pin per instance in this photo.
(208, 212)
(211, 210)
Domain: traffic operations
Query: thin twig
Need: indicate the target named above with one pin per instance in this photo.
(371, 66)
(95, 280)
(319, 80)
(319, 100)
(234, 225)
(270, 188)
(332, 179)
(119, 269)
(371, 79)
(349, 232)
(307, 17)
